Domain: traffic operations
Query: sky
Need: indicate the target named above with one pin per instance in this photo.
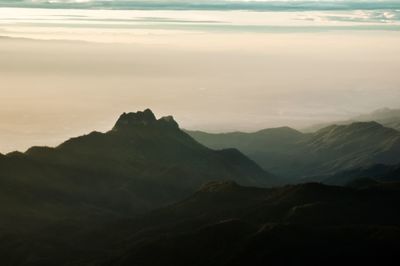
(70, 67)
(261, 5)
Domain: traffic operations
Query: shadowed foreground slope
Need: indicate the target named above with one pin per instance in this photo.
(227, 224)
(310, 224)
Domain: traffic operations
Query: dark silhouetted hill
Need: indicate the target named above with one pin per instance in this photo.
(224, 223)
(142, 163)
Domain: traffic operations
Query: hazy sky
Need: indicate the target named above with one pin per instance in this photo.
(66, 72)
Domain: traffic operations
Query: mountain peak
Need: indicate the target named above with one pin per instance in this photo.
(365, 125)
(127, 120)
(355, 126)
(168, 120)
(383, 110)
(143, 119)
(383, 114)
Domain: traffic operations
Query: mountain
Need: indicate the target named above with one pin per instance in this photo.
(384, 116)
(271, 148)
(295, 155)
(273, 138)
(357, 144)
(224, 224)
(141, 164)
(140, 194)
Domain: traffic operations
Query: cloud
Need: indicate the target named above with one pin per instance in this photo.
(359, 16)
(60, 1)
(255, 5)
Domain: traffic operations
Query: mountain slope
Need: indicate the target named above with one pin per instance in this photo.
(296, 155)
(354, 145)
(224, 223)
(273, 138)
(142, 163)
(274, 149)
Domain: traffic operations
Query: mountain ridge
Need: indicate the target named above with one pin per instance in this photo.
(388, 117)
(290, 153)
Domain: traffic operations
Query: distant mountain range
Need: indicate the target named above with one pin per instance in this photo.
(141, 164)
(295, 155)
(386, 116)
